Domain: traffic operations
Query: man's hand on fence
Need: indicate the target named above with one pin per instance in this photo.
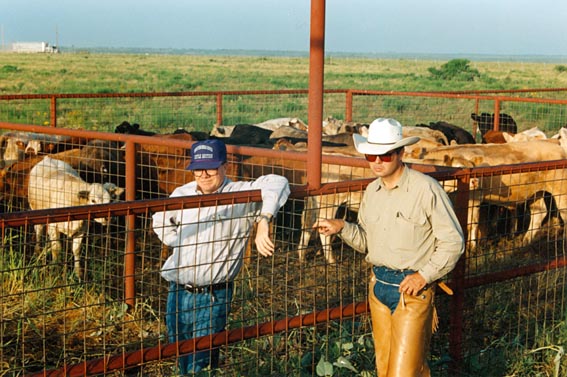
(264, 243)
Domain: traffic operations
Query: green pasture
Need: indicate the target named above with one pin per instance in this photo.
(84, 72)
(114, 73)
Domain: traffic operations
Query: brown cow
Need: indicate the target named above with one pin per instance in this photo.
(494, 137)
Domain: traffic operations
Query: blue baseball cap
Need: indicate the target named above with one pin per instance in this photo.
(207, 154)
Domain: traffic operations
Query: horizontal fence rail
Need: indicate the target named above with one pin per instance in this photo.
(225, 107)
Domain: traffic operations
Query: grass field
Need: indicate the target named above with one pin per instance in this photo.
(77, 73)
(109, 73)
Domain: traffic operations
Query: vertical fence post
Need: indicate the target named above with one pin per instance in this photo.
(315, 103)
(475, 124)
(457, 304)
(348, 106)
(130, 253)
(53, 112)
(219, 109)
(496, 114)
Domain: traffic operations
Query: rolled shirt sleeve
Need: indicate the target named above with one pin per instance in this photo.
(208, 242)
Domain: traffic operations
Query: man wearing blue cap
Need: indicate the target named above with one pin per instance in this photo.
(208, 245)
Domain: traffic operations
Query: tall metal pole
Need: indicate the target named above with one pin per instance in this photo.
(315, 104)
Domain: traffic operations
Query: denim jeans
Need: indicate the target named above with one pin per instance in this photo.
(389, 294)
(191, 315)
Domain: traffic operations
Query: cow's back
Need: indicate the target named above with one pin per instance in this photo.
(54, 184)
(499, 154)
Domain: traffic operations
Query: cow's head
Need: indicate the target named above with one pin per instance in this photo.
(113, 190)
(486, 122)
(33, 147)
(99, 194)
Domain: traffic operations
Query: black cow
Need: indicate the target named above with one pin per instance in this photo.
(485, 123)
(132, 129)
(248, 135)
(452, 132)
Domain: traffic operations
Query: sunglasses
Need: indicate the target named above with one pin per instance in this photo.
(386, 157)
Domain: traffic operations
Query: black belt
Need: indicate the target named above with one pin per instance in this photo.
(206, 288)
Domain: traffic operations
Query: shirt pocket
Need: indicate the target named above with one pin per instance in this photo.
(410, 229)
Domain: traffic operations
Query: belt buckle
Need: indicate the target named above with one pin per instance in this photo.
(193, 289)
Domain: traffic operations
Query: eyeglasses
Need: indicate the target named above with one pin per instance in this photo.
(210, 172)
(386, 157)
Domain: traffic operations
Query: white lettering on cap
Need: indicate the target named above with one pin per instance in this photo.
(203, 156)
(202, 146)
(207, 154)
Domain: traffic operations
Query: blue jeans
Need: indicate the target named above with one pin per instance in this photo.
(191, 315)
(388, 294)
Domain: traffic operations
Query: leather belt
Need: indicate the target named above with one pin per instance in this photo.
(204, 289)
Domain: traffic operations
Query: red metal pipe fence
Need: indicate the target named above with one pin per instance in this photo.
(498, 96)
(466, 280)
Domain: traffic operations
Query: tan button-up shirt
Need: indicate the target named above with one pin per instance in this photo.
(411, 226)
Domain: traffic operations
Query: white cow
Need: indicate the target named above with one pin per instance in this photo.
(274, 124)
(270, 124)
(55, 184)
(527, 135)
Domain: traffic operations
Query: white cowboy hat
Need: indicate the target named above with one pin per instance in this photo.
(384, 135)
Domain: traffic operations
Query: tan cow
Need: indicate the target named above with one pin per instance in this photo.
(496, 154)
(507, 190)
(325, 206)
(421, 147)
(425, 133)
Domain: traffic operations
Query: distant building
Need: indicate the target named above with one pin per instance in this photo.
(34, 47)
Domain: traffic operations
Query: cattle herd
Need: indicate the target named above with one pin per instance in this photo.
(41, 171)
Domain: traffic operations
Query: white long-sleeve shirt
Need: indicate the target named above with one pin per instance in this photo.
(208, 242)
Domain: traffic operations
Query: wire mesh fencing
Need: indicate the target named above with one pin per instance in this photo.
(199, 111)
(302, 311)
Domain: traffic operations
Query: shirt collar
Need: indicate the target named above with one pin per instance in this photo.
(403, 182)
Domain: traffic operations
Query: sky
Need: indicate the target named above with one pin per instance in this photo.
(494, 27)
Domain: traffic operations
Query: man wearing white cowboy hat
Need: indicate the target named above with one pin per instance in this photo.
(407, 227)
